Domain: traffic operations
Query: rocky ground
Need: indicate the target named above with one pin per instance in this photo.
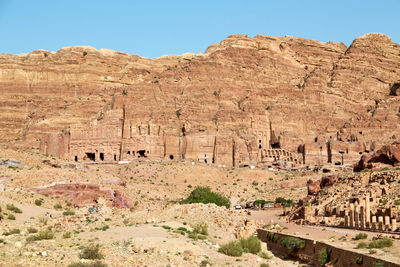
(154, 231)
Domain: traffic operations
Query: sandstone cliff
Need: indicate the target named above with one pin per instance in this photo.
(244, 101)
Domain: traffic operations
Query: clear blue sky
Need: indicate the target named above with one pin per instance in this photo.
(154, 28)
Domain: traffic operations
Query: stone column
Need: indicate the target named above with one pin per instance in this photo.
(346, 221)
(357, 217)
(367, 210)
(381, 226)
(373, 222)
(387, 223)
(351, 213)
(394, 225)
(362, 217)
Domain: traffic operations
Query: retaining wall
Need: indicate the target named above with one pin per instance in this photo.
(309, 254)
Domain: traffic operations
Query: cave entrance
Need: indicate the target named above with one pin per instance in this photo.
(394, 88)
(171, 157)
(101, 156)
(91, 156)
(76, 158)
(115, 157)
(142, 153)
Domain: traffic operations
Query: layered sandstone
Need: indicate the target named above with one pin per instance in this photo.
(245, 101)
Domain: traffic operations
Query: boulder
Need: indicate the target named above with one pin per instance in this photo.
(387, 155)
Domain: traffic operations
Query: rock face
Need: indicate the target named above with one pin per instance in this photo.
(314, 187)
(245, 101)
(387, 155)
(86, 194)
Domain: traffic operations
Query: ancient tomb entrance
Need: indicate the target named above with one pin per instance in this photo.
(76, 158)
(171, 156)
(394, 89)
(91, 156)
(142, 153)
(101, 156)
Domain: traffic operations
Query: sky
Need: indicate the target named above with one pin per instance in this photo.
(154, 28)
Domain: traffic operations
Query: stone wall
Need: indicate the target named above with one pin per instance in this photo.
(309, 254)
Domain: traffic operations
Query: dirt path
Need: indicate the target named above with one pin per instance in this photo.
(28, 211)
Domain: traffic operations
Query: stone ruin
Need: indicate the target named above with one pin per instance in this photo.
(116, 136)
(365, 201)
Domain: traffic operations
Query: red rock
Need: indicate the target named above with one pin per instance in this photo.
(86, 194)
(387, 155)
(313, 187)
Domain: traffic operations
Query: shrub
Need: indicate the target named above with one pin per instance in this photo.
(359, 260)
(38, 202)
(362, 245)
(32, 230)
(273, 237)
(12, 232)
(204, 195)
(372, 251)
(91, 253)
(204, 263)
(57, 206)
(264, 265)
(13, 208)
(396, 202)
(381, 243)
(324, 256)
(251, 244)
(11, 217)
(67, 235)
(42, 235)
(293, 244)
(201, 228)
(68, 212)
(264, 255)
(233, 248)
(92, 264)
(360, 236)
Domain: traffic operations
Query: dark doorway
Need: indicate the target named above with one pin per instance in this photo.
(129, 152)
(142, 153)
(76, 158)
(91, 156)
(101, 156)
(133, 153)
(171, 156)
(115, 157)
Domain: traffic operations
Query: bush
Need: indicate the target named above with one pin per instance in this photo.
(251, 244)
(91, 253)
(359, 260)
(265, 255)
(57, 206)
(32, 230)
(360, 236)
(38, 202)
(324, 256)
(11, 217)
(12, 232)
(93, 264)
(264, 265)
(203, 194)
(233, 248)
(201, 228)
(381, 243)
(293, 244)
(42, 235)
(68, 212)
(362, 245)
(67, 235)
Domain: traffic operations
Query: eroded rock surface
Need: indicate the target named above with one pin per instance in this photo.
(243, 102)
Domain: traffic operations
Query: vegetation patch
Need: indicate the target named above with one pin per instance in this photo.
(293, 244)
(91, 253)
(203, 194)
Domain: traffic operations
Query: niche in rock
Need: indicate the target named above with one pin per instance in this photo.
(91, 156)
